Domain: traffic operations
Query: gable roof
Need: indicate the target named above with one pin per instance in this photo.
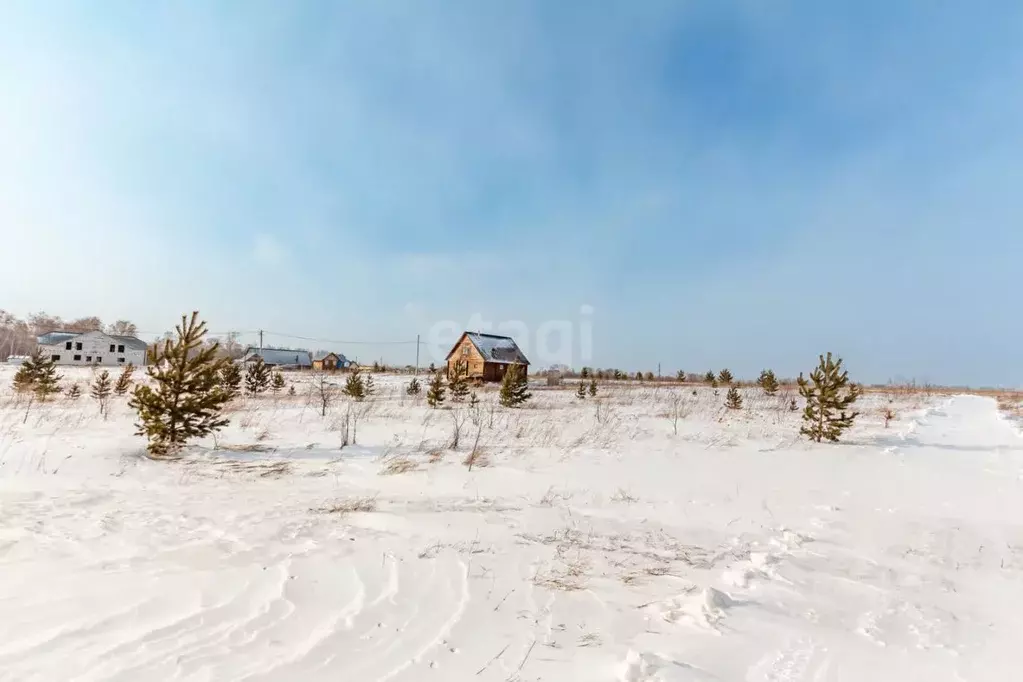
(130, 342)
(58, 337)
(494, 348)
(55, 337)
(324, 355)
(279, 356)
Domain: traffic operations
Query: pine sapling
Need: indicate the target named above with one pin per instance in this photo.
(355, 386)
(680, 376)
(185, 399)
(25, 377)
(435, 393)
(725, 377)
(369, 387)
(230, 377)
(47, 381)
(73, 392)
(277, 384)
(828, 391)
(593, 388)
(458, 384)
(581, 391)
(768, 382)
(515, 387)
(793, 406)
(124, 380)
(889, 416)
(291, 390)
(639, 376)
(733, 401)
(100, 391)
(414, 388)
(257, 377)
(473, 400)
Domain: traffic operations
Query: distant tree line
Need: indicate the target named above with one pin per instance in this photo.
(18, 336)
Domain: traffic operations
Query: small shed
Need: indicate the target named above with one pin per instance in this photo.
(485, 357)
(279, 357)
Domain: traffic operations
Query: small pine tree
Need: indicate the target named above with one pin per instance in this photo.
(257, 377)
(74, 392)
(186, 399)
(768, 382)
(230, 377)
(725, 377)
(585, 374)
(25, 377)
(593, 388)
(413, 387)
(792, 405)
(47, 381)
(277, 384)
(124, 380)
(710, 378)
(828, 391)
(458, 384)
(581, 391)
(515, 387)
(733, 400)
(473, 400)
(355, 386)
(639, 376)
(680, 376)
(291, 390)
(435, 394)
(433, 370)
(618, 375)
(100, 391)
(649, 376)
(376, 366)
(369, 386)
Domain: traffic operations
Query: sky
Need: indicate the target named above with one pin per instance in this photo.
(681, 184)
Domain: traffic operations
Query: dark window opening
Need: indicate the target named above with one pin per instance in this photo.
(111, 348)
(120, 348)
(77, 358)
(78, 346)
(55, 358)
(99, 359)
(120, 359)
(67, 346)
(88, 358)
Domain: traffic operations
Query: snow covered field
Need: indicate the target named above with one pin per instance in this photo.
(598, 544)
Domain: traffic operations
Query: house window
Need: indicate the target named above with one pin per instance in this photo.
(88, 358)
(78, 346)
(67, 346)
(55, 358)
(99, 359)
(111, 348)
(120, 349)
(78, 358)
(120, 359)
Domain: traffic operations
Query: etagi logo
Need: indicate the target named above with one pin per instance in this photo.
(552, 342)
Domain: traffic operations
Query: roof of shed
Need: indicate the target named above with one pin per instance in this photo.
(280, 356)
(51, 338)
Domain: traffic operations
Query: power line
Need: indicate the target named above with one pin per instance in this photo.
(367, 343)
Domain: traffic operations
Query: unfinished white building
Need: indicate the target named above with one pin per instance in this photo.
(92, 348)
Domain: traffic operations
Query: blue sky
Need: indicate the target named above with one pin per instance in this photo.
(742, 184)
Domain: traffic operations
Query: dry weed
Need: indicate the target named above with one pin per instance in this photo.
(349, 506)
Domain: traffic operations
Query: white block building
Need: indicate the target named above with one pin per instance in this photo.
(92, 348)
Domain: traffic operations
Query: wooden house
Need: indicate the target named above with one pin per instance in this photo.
(485, 357)
(329, 361)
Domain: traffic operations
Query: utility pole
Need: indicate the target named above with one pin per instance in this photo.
(417, 357)
(658, 370)
(260, 341)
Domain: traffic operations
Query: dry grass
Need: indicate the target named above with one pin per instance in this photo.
(350, 506)
(478, 457)
(398, 464)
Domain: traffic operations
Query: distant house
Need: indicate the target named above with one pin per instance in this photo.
(279, 357)
(485, 357)
(91, 348)
(330, 361)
